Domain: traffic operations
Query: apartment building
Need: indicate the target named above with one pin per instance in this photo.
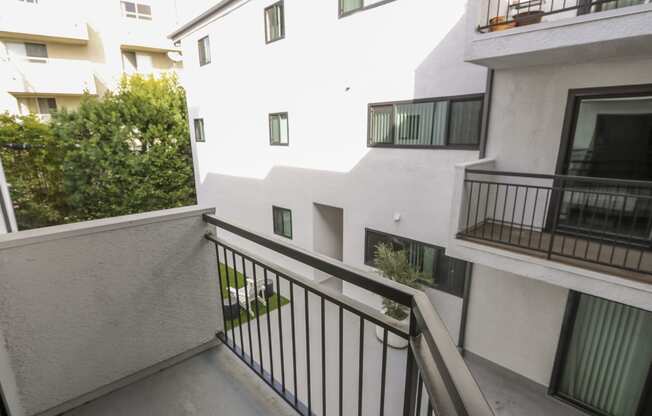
(52, 52)
(503, 144)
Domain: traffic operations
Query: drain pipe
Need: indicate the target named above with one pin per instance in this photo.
(484, 134)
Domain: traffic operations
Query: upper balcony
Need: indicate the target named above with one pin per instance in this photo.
(90, 308)
(47, 76)
(514, 33)
(588, 234)
(42, 22)
(146, 36)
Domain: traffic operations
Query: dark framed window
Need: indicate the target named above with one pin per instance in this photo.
(439, 271)
(604, 357)
(36, 50)
(347, 7)
(46, 105)
(279, 130)
(446, 122)
(200, 135)
(204, 47)
(282, 222)
(136, 10)
(274, 22)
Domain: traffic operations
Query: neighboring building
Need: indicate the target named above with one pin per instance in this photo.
(52, 52)
(342, 130)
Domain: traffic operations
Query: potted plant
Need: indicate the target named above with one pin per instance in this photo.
(527, 12)
(394, 265)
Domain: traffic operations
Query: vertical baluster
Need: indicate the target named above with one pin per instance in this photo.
(493, 219)
(502, 219)
(219, 276)
(608, 207)
(619, 223)
(477, 208)
(308, 350)
(545, 217)
(294, 345)
(228, 291)
(520, 230)
(246, 288)
(279, 305)
(632, 230)
(555, 218)
(563, 237)
(383, 374)
(419, 394)
(534, 214)
(360, 366)
(269, 327)
(468, 207)
(341, 355)
(260, 342)
(513, 222)
(323, 358)
(237, 295)
(486, 211)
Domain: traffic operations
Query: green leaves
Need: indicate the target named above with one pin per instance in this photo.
(124, 153)
(394, 265)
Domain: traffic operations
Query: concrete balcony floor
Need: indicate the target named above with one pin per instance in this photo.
(213, 383)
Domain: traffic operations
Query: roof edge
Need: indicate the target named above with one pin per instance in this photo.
(199, 19)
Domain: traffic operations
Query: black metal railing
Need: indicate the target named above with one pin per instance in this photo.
(607, 222)
(505, 14)
(327, 354)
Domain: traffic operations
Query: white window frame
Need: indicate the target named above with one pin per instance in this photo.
(137, 13)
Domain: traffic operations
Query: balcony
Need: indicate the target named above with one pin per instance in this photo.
(514, 33)
(558, 228)
(29, 21)
(46, 76)
(134, 303)
(146, 36)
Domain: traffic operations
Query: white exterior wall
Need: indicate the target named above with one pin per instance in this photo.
(84, 305)
(515, 322)
(324, 74)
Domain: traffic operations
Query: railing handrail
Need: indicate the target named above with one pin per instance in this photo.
(426, 327)
(563, 178)
(383, 287)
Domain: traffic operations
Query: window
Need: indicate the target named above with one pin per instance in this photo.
(47, 105)
(279, 134)
(129, 62)
(36, 50)
(282, 222)
(29, 1)
(135, 10)
(438, 122)
(347, 6)
(204, 45)
(199, 130)
(274, 22)
(605, 357)
(439, 271)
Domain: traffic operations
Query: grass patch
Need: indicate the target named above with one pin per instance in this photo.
(257, 309)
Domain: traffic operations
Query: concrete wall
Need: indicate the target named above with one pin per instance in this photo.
(515, 322)
(324, 74)
(84, 305)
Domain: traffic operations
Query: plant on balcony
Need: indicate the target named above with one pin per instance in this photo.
(394, 265)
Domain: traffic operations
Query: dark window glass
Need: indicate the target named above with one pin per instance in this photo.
(47, 105)
(437, 122)
(199, 130)
(347, 6)
(282, 222)
(204, 45)
(438, 270)
(274, 22)
(36, 50)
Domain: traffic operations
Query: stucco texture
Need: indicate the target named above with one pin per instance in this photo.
(84, 310)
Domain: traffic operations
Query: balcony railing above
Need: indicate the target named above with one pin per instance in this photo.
(48, 76)
(597, 223)
(501, 15)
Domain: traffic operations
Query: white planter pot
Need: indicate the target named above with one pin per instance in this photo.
(394, 340)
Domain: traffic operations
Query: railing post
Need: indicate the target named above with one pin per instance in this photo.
(410, 401)
(558, 199)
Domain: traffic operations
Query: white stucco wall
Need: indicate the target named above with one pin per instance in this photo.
(324, 74)
(515, 322)
(84, 305)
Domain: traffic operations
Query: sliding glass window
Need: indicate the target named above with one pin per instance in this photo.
(437, 269)
(605, 363)
(439, 122)
(274, 22)
(279, 131)
(282, 218)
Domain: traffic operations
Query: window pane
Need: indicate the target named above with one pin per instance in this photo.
(278, 129)
(129, 7)
(465, 122)
(609, 356)
(287, 223)
(413, 123)
(199, 130)
(274, 22)
(36, 50)
(204, 51)
(439, 126)
(372, 241)
(47, 105)
(145, 9)
(282, 222)
(380, 127)
(350, 5)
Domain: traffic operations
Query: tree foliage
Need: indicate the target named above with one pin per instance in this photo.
(394, 265)
(126, 152)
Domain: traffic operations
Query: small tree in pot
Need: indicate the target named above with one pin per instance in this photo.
(394, 265)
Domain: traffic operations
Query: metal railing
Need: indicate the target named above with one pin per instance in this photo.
(325, 353)
(607, 222)
(505, 14)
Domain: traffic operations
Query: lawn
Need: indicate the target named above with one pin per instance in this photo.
(274, 302)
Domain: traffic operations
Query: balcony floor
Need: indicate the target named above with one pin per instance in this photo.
(213, 383)
(536, 243)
